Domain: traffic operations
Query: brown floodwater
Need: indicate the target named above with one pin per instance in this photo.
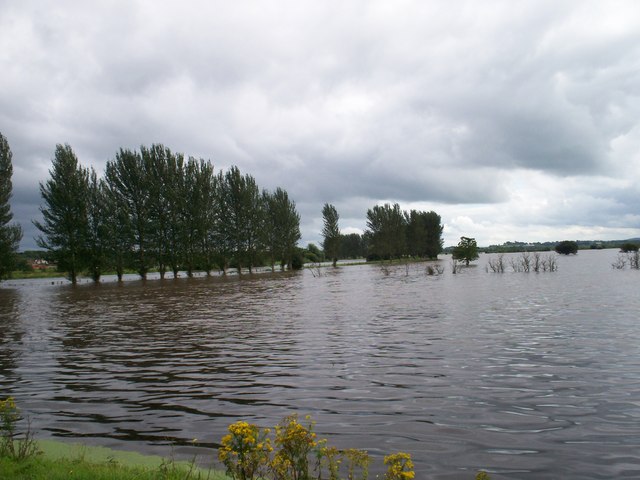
(524, 375)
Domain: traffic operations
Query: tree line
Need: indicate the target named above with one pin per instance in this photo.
(155, 209)
(391, 233)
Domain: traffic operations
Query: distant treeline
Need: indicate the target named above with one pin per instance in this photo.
(153, 208)
(508, 247)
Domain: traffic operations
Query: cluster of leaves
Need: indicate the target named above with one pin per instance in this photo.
(155, 209)
(567, 247)
(10, 233)
(393, 233)
(466, 250)
(628, 247)
(12, 445)
(331, 233)
(296, 454)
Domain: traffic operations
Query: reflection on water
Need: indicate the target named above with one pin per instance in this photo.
(527, 375)
(11, 334)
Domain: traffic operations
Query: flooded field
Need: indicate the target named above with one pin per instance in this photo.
(527, 375)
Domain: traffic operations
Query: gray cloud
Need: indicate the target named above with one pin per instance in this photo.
(454, 107)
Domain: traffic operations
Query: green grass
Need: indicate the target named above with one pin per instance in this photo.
(60, 461)
(18, 275)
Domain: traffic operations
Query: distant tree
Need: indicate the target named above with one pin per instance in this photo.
(466, 250)
(567, 247)
(424, 234)
(165, 179)
(434, 228)
(241, 216)
(155, 160)
(352, 245)
(65, 218)
(97, 226)
(117, 223)
(10, 234)
(313, 253)
(628, 247)
(331, 233)
(386, 225)
(200, 215)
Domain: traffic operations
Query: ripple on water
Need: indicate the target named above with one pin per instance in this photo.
(526, 376)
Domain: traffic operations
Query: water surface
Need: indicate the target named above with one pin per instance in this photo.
(525, 375)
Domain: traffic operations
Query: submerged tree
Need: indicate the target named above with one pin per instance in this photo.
(241, 218)
(281, 227)
(65, 224)
(466, 250)
(10, 234)
(424, 234)
(331, 233)
(201, 216)
(567, 247)
(352, 245)
(97, 226)
(386, 226)
(128, 186)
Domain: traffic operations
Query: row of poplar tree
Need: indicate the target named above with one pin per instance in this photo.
(154, 209)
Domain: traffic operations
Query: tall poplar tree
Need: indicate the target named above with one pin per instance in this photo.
(10, 234)
(128, 183)
(97, 232)
(65, 225)
(200, 215)
(241, 217)
(281, 227)
(331, 233)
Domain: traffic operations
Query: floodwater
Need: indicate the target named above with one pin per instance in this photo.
(525, 375)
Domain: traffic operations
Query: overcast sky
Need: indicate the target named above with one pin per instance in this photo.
(514, 120)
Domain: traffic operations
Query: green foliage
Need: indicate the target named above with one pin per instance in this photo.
(281, 227)
(164, 179)
(10, 234)
(201, 216)
(11, 446)
(628, 247)
(331, 233)
(297, 261)
(393, 233)
(567, 247)
(42, 468)
(97, 233)
(313, 254)
(353, 245)
(424, 234)
(129, 211)
(466, 250)
(386, 225)
(153, 209)
(65, 225)
(241, 216)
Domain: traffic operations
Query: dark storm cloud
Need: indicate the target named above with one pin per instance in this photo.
(352, 103)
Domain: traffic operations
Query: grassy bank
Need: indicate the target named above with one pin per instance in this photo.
(59, 461)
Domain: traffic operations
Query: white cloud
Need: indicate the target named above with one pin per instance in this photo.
(513, 121)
